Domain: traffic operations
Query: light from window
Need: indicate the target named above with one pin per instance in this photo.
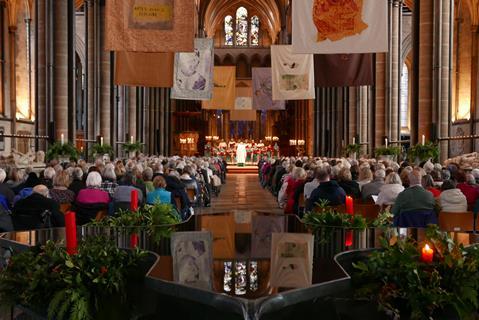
(241, 26)
(254, 31)
(228, 30)
(404, 106)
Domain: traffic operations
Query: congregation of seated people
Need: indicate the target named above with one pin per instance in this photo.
(300, 184)
(32, 201)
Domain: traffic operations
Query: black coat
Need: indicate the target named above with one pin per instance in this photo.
(27, 213)
(329, 191)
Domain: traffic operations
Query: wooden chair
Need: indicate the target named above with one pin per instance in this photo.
(301, 201)
(191, 195)
(101, 215)
(457, 221)
(368, 210)
(178, 202)
(65, 207)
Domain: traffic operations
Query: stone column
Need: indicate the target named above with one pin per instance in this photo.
(380, 98)
(352, 116)
(60, 68)
(363, 115)
(395, 69)
(105, 83)
(445, 74)
(425, 69)
(41, 117)
(91, 93)
(132, 112)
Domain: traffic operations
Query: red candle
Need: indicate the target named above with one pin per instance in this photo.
(349, 205)
(427, 254)
(348, 240)
(134, 240)
(71, 232)
(134, 200)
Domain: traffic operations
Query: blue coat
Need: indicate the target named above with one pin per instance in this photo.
(160, 195)
(330, 191)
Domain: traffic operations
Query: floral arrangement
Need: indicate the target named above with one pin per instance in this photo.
(132, 147)
(101, 149)
(62, 150)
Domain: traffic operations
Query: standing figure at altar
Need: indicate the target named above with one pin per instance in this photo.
(241, 154)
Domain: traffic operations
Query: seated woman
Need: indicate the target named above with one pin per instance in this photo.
(60, 192)
(428, 184)
(390, 190)
(294, 188)
(451, 198)
(122, 195)
(345, 181)
(159, 194)
(92, 200)
(365, 176)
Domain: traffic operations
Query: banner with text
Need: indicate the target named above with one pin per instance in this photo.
(224, 89)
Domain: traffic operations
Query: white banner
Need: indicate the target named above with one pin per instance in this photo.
(193, 75)
(346, 26)
(293, 74)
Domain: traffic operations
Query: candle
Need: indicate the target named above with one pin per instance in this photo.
(354, 140)
(62, 138)
(349, 205)
(71, 232)
(134, 200)
(427, 254)
(348, 238)
(423, 139)
(101, 141)
(386, 142)
(131, 139)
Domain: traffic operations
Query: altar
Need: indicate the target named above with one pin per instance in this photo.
(227, 150)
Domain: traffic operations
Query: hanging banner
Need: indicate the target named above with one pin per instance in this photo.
(224, 89)
(344, 26)
(263, 91)
(343, 70)
(243, 99)
(293, 74)
(243, 115)
(144, 69)
(193, 75)
(150, 25)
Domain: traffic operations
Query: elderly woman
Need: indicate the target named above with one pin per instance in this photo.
(390, 190)
(60, 193)
(451, 198)
(148, 179)
(365, 176)
(428, 184)
(159, 194)
(93, 192)
(48, 175)
(77, 182)
(109, 179)
(294, 188)
(345, 181)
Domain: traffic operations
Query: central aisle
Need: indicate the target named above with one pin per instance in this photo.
(242, 192)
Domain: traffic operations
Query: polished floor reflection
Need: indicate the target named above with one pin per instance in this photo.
(242, 192)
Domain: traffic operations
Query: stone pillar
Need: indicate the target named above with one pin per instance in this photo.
(395, 69)
(379, 116)
(41, 117)
(132, 112)
(363, 115)
(445, 74)
(352, 115)
(426, 29)
(91, 94)
(105, 82)
(60, 68)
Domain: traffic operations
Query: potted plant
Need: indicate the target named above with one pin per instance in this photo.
(424, 152)
(352, 150)
(132, 148)
(92, 284)
(98, 150)
(387, 153)
(411, 281)
(62, 152)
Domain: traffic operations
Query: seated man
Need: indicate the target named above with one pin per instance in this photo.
(31, 212)
(415, 198)
(327, 190)
(374, 187)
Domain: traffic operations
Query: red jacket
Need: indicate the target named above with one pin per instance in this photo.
(471, 193)
(293, 185)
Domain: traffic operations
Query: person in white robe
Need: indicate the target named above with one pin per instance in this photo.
(241, 154)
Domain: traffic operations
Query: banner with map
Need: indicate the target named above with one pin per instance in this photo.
(150, 25)
(263, 91)
(224, 89)
(243, 99)
(345, 26)
(193, 75)
(293, 74)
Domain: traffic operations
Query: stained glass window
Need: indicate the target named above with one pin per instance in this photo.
(241, 26)
(228, 30)
(404, 112)
(254, 31)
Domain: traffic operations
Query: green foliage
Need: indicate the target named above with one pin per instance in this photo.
(132, 147)
(400, 283)
(424, 152)
(326, 216)
(58, 150)
(387, 151)
(158, 220)
(352, 148)
(99, 150)
(383, 220)
(73, 287)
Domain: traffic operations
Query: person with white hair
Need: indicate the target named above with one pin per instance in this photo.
(374, 187)
(48, 175)
(109, 183)
(37, 211)
(390, 190)
(93, 193)
(77, 183)
(5, 190)
(475, 174)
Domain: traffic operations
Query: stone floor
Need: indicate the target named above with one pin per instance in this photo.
(242, 192)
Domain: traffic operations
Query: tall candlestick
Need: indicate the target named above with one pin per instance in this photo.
(386, 142)
(62, 138)
(71, 232)
(131, 139)
(354, 140)
(101, 141)
(427, 254)
(134, 207)
(423, 139)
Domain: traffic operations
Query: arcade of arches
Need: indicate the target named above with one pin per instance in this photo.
(57, 79)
